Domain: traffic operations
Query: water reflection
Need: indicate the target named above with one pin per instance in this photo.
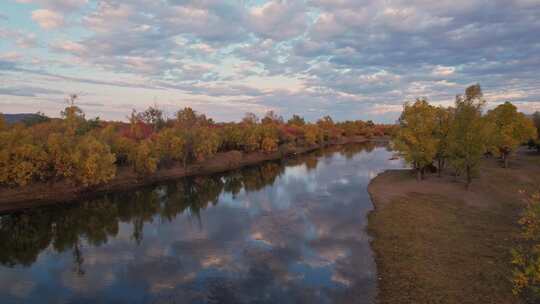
(287, 232)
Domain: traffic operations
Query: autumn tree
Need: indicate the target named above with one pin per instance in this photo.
(469, 133)
(536, 121)
(138, 129)
(170, 144)
(251, 139)
(22, 158)
(73, 116)
(328, 127)
(269, 138)
(250, 118)
(153, 116)
(3, 124)
(231, 137)
(272, 117)
(415, 139)
(143, 158)
(443, 121)
(205, 143)
(296, 120)
(188, 118)
(93, 162)
(511, 129)
(313, 135)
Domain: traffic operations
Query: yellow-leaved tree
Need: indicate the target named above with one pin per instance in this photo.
(143, 158)
(313, 134)
(22, 158)
(443, 121)
(2, 122)
(206, 143)
(469, 133)
(170, 144)
(93, 162)
(415, 139)
(510, 129)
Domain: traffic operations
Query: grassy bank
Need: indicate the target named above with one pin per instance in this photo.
(436, 242)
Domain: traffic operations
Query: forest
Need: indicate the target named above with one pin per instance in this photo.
(89, 152)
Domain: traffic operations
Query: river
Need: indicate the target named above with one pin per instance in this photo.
(281, 232)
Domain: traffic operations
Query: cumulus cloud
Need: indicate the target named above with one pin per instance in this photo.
(48, 19)
(279, 20)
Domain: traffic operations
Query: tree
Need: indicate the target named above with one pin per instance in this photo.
(73, 116)
(205, 143)
(469, 133)
(188, 118)
(536, 121)
(511, 129)
(35, 119)
(251, 139)
(250, 118)
(170, 144)
(3, 124)
(60, 151)
(22, 159)
(269, 137)
(296, 121)
(272, 117)
(231, 135)
(153, 116)
(143, 158)
(443, 122)
(313, 135)
(415, 140)
(93, 162)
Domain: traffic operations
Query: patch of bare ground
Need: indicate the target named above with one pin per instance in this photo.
(436, 242)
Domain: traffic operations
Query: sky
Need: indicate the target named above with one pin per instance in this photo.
(351, 59)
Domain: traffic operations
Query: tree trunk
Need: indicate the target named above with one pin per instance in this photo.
(439, 167)
(422, 173)
(505, 160)
(469, 177)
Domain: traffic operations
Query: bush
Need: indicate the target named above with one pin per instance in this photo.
(526, 257)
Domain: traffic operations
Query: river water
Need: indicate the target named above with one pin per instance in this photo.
(281, 232)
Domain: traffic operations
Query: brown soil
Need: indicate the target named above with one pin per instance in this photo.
(436, 242)
(65, 191)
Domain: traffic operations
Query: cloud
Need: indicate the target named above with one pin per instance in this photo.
(278, 20)
(312, 57)
(62, 5)
(27, 91)
(48, 19)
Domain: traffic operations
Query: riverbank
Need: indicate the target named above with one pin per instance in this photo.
(126, 179)
(436, 242)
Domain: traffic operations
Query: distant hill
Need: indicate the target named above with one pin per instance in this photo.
(24, 117)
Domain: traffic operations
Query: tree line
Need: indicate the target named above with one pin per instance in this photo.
(458, 137)
(89, 152)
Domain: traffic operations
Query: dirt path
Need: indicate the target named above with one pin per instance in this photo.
(436, 242)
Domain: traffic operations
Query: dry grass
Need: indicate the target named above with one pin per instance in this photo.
(435, 242)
